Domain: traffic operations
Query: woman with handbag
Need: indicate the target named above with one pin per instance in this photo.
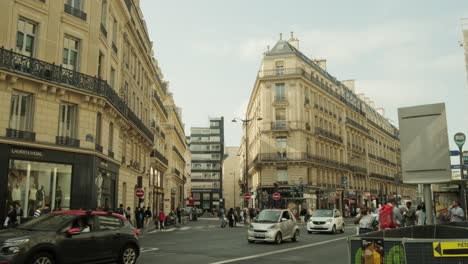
(366, 221)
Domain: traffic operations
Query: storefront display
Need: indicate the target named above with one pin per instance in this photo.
(38, 183)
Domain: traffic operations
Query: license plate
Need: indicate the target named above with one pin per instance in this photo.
(259, 235)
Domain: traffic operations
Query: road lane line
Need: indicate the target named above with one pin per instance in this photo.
(184, 228)
(143, 250)
(280, 251)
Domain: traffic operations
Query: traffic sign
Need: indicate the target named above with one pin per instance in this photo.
(450, 249)
(247, 196)
(454, 153)
(276, 196)
(459, 139)
(139, 193)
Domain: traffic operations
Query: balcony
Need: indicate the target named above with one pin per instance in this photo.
(135, 165)
(98, 148)
(103, 30)
(383, 130)
(359, 170)
(176, 172)
(75, 12)
(67, 141)
(328, 135)
(297, 157)
(156, 154)
(19, 134)
(279, 125)
(58, 75)
(356, 125)
(160, 103)
(381, 177)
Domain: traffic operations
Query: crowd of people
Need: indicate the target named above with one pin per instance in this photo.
(15, 214)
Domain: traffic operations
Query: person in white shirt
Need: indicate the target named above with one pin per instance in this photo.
(456, 213)
(365, 221)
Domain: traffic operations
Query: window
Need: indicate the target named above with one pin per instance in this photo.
(114, 31)
(104, 14)
(100, 61)
(77, 4)
(280, 92)
(67, 120)
(281, 147)
(98, 128)
(280, 114)
(25, 37)
(282, 175)
(70, 53)
(279, 67)
(21, 111)
(109, 222)
(111, 136)
(112, 78)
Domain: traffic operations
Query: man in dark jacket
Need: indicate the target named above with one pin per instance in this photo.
(179, 215)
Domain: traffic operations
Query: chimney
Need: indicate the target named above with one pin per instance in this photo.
(381, 111)
(281, 36)
(321, 63)
(294, 41)
(349, 84)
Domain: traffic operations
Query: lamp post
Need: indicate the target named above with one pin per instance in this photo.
(246, 122)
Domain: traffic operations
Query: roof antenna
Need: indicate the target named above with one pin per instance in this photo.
(281, 36)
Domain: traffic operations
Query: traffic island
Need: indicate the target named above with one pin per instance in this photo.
(435, 244)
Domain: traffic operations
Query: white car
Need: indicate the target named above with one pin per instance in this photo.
(326, 220)
(273, 226)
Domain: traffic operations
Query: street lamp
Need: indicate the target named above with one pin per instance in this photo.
(246, 122)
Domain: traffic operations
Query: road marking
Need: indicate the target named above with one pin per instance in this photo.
(143, 250)
(280, 251)
(198, 227)
(165, 230)
(184, 228)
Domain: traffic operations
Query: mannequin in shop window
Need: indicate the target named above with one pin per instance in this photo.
(58, 198)
(16, 193)
(40, 196)
(99, 180)
(32, 196)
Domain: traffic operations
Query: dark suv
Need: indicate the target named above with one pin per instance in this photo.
(71, 237)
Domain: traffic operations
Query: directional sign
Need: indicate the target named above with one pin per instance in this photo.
(450, 249)
(459, 139)
(454, 153)
(276, 196)
(247, 196)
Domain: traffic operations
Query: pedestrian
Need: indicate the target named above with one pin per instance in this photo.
(46, 209)
(10, 220)
(19, 212)
(179, 215)
(409, 215)
(141, 217)
(121, 210)
(421, 215)
(128, 213)
(230, 217)
(222, 216)
(148, 216)
(37, 213)
(456, 213)
(303, 214)
(367, 222)
(242, 217)
(162, 219)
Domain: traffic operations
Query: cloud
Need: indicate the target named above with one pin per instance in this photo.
(253, 48)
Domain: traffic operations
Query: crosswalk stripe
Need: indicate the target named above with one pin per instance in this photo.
(185, 228)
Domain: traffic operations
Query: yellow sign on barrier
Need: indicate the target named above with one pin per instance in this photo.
(450, 249)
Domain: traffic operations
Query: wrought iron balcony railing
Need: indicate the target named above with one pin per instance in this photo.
(67, 141)
(111, 154)
(381, 177)
(358, 169)
(383, 130)
(156, 154)
(75, 12)
(18, 63)
(357, 125)
(160, 103)
(19, 134)
(279, 125)
(324, 133)
(299, 156)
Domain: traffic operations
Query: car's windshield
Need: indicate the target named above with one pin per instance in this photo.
(267, 216)
(323, 213)
(47, 222)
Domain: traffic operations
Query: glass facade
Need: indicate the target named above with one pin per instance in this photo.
(105, 189)
(35, 184)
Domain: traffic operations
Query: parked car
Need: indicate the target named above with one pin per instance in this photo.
(326, 220)
(75, 236)
(273, 226)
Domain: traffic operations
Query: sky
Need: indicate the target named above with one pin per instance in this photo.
(400, 53)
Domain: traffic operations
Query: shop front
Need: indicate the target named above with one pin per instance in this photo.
(35, 177)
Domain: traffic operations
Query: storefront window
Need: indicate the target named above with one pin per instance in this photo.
(105, 190)
(35, 184)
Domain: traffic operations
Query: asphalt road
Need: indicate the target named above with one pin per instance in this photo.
(205, 242)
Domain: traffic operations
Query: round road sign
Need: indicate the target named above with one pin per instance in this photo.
(139, 193)
(276, 196)
(247, 196)
(459, 139)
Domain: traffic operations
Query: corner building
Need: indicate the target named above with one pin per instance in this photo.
(77, 82)
(318, 143)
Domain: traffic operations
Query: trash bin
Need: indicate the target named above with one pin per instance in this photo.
(435, 244)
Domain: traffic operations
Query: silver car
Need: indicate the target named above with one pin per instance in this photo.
(273, 226)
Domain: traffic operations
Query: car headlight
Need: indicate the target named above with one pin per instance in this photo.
(16, 242)
(329, 221)
(273, 226)
(11, 250)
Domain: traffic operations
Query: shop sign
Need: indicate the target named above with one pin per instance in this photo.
(27, 152)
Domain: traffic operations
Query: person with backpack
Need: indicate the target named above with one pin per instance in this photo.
(390, 215)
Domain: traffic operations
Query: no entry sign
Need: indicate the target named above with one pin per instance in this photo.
(276, 196)
(247, 196)
(139, 193)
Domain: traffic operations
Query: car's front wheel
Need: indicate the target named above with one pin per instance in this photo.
(278, 238)
(42, 258)
(128, 255)
(295, 238)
